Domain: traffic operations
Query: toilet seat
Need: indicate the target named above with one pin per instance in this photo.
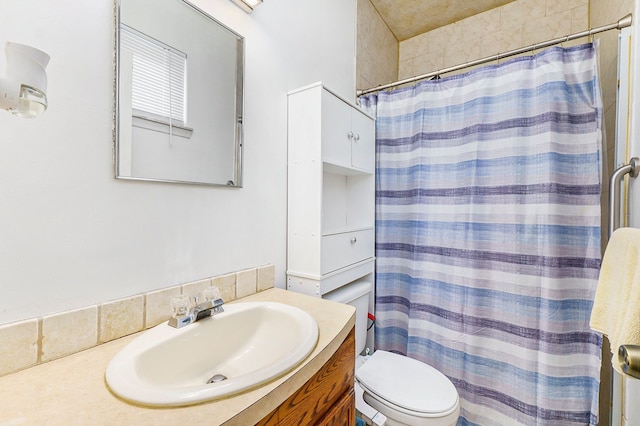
(408, 386)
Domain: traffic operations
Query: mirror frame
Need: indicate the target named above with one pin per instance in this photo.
(239, 112)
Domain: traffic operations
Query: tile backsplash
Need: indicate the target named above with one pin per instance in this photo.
(24, 344)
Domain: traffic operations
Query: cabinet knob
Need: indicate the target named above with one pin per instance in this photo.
(356, 137)
(350, 135)
(354, 240)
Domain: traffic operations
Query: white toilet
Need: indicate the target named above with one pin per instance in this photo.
(408, 392)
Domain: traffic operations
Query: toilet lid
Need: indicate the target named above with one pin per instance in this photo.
(407, 383)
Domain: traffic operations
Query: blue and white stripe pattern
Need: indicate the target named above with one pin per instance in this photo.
(488, 234)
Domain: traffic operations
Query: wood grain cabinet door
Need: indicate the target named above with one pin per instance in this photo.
(325, 399)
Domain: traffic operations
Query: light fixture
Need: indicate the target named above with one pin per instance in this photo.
(247, 5)
(23, 89)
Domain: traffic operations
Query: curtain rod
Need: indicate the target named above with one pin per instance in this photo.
(622, 23)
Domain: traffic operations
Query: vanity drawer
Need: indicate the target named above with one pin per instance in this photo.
(344, 249)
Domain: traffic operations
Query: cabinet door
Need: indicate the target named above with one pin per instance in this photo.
(343, 413)
(336, 130)
(309, 404)
(363, 144)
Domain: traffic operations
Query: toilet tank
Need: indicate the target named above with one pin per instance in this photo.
(355, 294)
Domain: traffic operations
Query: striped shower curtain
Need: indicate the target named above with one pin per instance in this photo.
(488, 234)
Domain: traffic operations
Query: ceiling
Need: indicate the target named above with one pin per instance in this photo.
(408, 18)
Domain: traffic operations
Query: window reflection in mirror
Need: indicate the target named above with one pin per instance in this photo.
(179, 95)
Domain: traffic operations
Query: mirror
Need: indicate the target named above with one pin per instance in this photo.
(179, 95)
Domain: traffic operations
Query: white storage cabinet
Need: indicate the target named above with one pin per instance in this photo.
(331, 191)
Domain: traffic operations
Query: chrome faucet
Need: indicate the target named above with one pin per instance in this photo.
(183, 315)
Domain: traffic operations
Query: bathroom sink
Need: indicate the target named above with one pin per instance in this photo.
(241, 348)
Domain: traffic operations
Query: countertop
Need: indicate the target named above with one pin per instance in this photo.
(72, 390)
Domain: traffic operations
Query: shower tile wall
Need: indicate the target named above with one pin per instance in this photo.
(516, 24)
(377, 49)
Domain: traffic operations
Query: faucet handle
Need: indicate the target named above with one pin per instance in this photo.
(180, 306)
(211, 293)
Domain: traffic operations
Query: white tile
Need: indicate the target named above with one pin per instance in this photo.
(246, 284)
(580, 19)
(547, 28)
(69, 332)
(18, 346)
(266, 277)
(121, 318)
(195, 288)
(558, 6)
(157, 305)
(227, 285)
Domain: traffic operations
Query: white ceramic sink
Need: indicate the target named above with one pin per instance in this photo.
(250, 344)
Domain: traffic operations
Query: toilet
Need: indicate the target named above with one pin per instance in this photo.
(406, 391)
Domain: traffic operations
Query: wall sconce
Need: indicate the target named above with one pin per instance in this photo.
(247, 5)
(23, 89)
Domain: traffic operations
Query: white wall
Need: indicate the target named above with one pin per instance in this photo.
(71, 235)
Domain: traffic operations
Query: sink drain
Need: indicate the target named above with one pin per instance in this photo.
(217, 378)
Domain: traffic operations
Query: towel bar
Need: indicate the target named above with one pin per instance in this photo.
(633, 170)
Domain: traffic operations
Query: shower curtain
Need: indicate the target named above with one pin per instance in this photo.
(488, 234)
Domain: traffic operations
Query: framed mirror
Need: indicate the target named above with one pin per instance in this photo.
(179, 95)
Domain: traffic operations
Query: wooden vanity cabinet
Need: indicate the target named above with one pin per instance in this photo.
(327, 398)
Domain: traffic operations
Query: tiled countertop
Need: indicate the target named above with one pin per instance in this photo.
(72, 390)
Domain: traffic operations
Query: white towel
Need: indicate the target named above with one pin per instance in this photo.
(616, 307)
